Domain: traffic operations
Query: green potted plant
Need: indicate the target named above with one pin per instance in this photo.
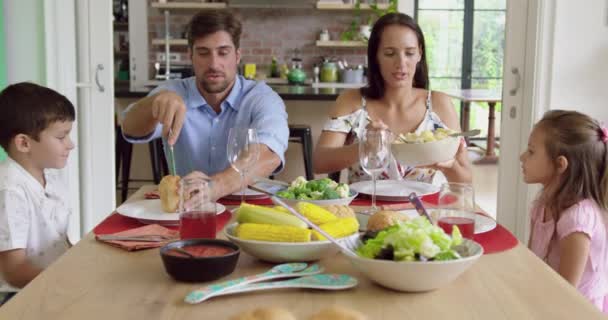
(359, 30)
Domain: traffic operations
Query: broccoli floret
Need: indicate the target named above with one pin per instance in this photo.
(330, 194)
(303, 196)
(299, 182)
(317, 195)
(343, 190)
(286, 194)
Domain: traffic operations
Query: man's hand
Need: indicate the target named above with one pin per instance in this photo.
(169, 109)
(195, 192)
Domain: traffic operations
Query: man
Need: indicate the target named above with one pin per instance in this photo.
(199, 111)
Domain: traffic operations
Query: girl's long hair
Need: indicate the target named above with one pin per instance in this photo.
(582, 141)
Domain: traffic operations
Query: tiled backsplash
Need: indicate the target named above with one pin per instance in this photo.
(271, 32)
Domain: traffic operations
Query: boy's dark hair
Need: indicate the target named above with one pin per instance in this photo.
(27, 108)
(205, 23)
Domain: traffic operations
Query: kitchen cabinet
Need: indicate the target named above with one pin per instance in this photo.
(346, 6)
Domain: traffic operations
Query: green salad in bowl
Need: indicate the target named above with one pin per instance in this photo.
(414, 256)
(413, 240)
(321, 192)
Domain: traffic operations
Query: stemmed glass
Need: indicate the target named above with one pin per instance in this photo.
(374, 156)
(242, 152)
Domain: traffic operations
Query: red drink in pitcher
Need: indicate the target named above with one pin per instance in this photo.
(197, 224)
(465, 225)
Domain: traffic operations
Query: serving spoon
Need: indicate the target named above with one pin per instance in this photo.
(280, 271)
(319, 281)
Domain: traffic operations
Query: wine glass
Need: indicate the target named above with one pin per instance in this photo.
(374, 156)
(242, 152)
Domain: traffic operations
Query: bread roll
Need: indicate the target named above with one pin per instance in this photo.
(265, 313)
(169, 195)
(338, 313)
(384, 219)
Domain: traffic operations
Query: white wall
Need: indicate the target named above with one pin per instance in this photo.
(579, 79)
(24, 31)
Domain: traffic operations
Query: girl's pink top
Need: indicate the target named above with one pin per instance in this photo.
(585, 217)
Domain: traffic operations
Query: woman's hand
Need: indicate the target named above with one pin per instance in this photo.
(457, 169)
(379, 125)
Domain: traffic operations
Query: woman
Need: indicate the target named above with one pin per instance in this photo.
(396, 98)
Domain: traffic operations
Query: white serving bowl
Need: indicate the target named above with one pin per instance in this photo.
(415, 276)
(285, 251)
(337, 202)
(419, 154)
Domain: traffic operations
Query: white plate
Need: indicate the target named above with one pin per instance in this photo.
(249, 194)
(394, 190)
(252, 194)
(482, 223)
(150, 211)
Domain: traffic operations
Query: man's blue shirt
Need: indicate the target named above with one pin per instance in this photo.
(204, 137)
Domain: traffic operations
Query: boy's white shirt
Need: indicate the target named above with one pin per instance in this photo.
(32, 217)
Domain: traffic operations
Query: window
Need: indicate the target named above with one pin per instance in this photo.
(465, 47)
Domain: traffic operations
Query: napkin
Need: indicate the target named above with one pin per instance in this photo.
(151, 229)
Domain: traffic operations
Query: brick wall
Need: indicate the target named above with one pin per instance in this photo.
(271, 32)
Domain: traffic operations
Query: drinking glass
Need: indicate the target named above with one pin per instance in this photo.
(456, 207)
(243, 152)
(374, 156)
(197, 210)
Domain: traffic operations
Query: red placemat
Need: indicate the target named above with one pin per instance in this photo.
(237, 202)
(359, 201)
(496, 240)
(116, 223)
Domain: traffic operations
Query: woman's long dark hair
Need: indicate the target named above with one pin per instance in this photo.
(375, 82)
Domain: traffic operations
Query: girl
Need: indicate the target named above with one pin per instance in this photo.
(567, 155)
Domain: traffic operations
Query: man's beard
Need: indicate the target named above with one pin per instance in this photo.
(215, 87)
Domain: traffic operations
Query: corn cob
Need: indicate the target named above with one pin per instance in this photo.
(338, 228)
(316, 214)
(270, 232)
(281, 209)
(249, 213)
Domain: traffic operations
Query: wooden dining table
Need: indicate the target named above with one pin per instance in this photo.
(489, 96)
(96, 281)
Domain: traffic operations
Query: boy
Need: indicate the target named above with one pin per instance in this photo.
(34, 214)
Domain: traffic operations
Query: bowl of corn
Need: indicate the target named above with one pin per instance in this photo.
(275, 235)
(425, 148)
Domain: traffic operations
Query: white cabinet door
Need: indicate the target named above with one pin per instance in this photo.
(96, 104)
(522, 102)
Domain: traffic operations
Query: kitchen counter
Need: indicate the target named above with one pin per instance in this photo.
(286, 92)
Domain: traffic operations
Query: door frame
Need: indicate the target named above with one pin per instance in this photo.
(514, 206)
(68, 68)
(60, 67)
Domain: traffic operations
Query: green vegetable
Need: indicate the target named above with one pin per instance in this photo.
(321, 189)
(416, 239)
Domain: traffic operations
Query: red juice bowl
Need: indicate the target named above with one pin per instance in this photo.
(213, 259)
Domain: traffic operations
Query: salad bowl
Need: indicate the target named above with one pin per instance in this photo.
(415, 273)
(418, 153)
